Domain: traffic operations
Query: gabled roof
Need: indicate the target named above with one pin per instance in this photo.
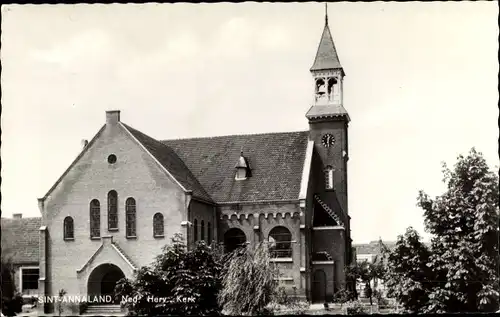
(20, 239)
(171, 162)
(326, 56)
(277, 161)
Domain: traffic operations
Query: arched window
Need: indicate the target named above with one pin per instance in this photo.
(329, 177)
(332, 87)
(202, 235)
(280, 240)
(112, 210)
(234, 238)
(130, 218)
(158, 226)
(209, 233)
(195, 228)
(95, 219)
(69, 229)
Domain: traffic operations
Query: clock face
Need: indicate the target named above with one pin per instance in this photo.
(328, 140)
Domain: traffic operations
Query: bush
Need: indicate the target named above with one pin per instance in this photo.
(355, 308)
(343, 296)
(187, 282)
(12, 306)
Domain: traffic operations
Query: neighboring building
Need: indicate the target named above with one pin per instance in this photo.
(126, 194)
(371, 252)
(20, 248)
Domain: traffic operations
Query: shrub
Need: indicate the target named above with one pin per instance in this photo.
(355, 308)
(188, 282)
(12, 306)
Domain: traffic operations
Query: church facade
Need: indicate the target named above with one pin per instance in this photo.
(127, 194)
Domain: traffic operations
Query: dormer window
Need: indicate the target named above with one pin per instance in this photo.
(242, 168)
(329, 177)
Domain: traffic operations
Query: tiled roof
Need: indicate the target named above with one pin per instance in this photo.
(372, 247)
(172, 163)
(318, 111)
(326, 57)
(20, 239)
(276, 160)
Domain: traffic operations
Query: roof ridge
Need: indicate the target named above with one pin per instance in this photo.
(234, 135)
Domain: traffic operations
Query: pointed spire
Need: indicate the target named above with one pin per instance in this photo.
(326, 13)
(326, 56)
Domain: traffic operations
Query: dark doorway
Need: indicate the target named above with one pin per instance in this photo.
(103, 279)
(319, 286)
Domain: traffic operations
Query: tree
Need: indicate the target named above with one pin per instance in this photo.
(407, 273)
(179, 282)
(249, 282)
(464, 222)
(366, 273)
(11, 301)
(459, 273)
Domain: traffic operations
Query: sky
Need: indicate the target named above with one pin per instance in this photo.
(420, 88)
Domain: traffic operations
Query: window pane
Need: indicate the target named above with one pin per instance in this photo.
(112, 210)
(158, 225)
(95, 218)
(130, 217)
(30, 279)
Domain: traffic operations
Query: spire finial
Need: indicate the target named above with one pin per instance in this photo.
(326, 13)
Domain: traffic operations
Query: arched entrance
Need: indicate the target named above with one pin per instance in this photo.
(319, 286)
(103, 279)
(233, 239)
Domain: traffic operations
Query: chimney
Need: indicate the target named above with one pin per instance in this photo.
(17, 216)
(112, 116)
(84, 143)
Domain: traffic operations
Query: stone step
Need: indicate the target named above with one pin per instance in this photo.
(103, 309)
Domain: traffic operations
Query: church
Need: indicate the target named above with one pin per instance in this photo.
(126, 194)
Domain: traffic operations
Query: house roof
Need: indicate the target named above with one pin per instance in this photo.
(373, 247)
(20, 239)
(326, 56)
(276, 161)
(172, 163)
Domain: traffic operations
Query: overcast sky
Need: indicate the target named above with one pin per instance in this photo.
(421, 87)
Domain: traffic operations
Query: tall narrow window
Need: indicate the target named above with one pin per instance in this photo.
(209, 233)
(202, 230)
(329, 177)
(195, 228)
(112, 210)
(69, 233)
(95, 219)
(130, 218)
(158, 228)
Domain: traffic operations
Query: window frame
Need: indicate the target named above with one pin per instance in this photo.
(277, 251)
(328, 174)
(209, 232)
(130, 214)
(195, 228)
(21, 279)
(95, 223)
(66, 237)
(113, 210)
(157, 225)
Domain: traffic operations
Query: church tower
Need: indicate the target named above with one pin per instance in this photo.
(328, 119)
(328, 127)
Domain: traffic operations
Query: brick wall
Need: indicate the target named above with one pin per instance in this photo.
(135, 174)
